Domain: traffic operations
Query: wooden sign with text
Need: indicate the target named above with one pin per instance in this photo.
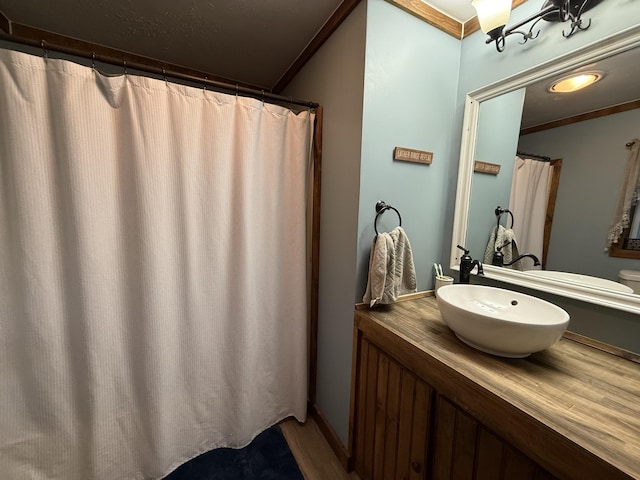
(484, 167)
(410, 155)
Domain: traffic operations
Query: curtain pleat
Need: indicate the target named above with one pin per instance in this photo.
(528, 203)
(153, 271)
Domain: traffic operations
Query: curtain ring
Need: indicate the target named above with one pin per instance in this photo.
(124, 64)
(263, 98)
(204, 86)
(93, 61)
(45, 52)
(164, 74)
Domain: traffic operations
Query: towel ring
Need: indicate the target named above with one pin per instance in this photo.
(499, 211)
(382, 207)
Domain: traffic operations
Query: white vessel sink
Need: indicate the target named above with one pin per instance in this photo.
(579, 279)
(499, 321)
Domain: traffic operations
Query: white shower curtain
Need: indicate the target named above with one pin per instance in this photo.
(528, 203)
(152, 271)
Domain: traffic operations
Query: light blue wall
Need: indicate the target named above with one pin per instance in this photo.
(497, 141)
(594, 158)
(407, 76)
(411, 79)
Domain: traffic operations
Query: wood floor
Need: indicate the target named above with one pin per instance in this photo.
(312, 452)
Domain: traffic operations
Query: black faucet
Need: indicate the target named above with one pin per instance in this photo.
(536, 262)
(467, 264)
(498, 256)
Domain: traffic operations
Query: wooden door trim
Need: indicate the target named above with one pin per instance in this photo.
(554, 182)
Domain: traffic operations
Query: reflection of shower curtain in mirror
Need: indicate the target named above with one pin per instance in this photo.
(528, 203)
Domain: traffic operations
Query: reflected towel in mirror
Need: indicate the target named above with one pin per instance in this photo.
(500, 237)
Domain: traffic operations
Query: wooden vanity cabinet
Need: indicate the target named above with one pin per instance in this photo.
(393, 418)
(465, 449)
(405, 430)
(426, 406)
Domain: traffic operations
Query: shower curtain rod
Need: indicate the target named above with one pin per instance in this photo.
(533, 155)
(34, 37)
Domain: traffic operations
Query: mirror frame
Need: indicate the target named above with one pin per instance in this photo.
(612, 45)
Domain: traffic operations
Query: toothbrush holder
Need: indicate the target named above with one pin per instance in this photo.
(441, 281)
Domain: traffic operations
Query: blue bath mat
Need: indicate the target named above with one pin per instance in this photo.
(266, 458)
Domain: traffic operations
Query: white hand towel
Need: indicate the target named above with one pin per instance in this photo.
(391, 269)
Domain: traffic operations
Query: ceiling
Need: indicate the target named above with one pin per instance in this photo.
(256, 42)
(619, 85)
(252, 42)
(460, 10)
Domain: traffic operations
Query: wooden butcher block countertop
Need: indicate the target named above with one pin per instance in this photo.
(572, 407)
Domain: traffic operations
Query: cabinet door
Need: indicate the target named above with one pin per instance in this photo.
(392, 417)
(465, 449)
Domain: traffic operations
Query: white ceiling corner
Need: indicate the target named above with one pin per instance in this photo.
(460, 10)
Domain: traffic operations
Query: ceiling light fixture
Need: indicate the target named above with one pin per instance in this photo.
(574, 82)
(493, 16)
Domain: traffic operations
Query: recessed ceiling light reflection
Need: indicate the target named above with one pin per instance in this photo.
(575, 82)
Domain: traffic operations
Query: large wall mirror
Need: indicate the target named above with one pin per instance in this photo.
(519, 115)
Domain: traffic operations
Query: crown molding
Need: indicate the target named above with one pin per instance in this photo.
(440, 20)
(432, 16)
